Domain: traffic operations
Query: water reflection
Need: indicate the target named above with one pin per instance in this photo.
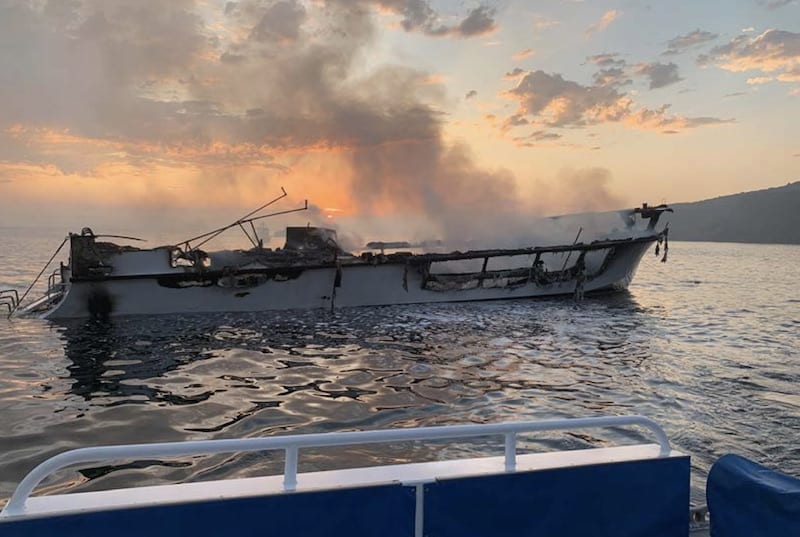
(223, 376)
(110, 361)
(417, 359)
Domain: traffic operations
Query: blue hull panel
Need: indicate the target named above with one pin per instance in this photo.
(630, 499)
(381, 511)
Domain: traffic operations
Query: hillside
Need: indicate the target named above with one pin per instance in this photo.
(763, 216)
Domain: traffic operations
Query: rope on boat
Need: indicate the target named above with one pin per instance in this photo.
(666, 244)
(44, 268)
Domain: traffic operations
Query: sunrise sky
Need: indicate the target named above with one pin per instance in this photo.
(439, 114)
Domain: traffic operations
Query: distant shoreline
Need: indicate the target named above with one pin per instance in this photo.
(769, 216)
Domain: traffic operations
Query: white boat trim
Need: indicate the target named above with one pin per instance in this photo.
(406, 474)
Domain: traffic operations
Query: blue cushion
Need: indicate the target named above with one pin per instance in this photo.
(746, 499)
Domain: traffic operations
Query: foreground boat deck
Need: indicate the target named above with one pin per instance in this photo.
(637, 490)
(583, 492)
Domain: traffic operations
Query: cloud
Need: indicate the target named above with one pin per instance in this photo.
(606, 60)
(613, 72)
(515, 74)
(659, 119)
(513, 121)
(419, 15)
(480, 21)
(471, 94)
(774, 51)
(612, 77)
(561, 102)
(682, 43)
(607, 18)
(660, 74)
(758, 80)
(521, 55)
(541, 22)
(792, 75)
(534, 138)
(543, 135)
(550, 100)
(776, 4)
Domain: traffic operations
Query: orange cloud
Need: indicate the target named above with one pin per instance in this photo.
(521, 55)
(659, 120)
(772, 51)
(550, 100)
(607, 18)
(790, 76)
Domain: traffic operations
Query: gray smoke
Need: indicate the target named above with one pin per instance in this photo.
(160, 86)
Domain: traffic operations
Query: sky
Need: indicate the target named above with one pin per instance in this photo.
(395, 118)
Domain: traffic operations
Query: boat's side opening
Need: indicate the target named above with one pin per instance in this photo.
(503, 270)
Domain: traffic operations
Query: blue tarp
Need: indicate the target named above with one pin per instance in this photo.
(746, 499)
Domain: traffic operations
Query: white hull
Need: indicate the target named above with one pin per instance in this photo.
(361, 284)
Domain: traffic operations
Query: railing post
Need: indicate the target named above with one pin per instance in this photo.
(290, 469)
(419, 511)
(511, 451)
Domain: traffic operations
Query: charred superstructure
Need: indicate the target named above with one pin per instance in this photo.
(312, 271)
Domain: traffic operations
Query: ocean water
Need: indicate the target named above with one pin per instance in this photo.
(706, 345)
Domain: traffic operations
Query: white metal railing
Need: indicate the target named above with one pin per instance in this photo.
(292, 444)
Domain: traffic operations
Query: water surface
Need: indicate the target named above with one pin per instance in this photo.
(705, 344)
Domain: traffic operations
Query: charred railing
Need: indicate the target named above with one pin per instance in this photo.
(536, 272)
(579, 247)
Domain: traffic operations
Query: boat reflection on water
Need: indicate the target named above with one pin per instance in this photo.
(412, 358)
(164, 378)
(113, 361)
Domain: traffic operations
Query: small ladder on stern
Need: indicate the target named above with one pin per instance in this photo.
(9, 298)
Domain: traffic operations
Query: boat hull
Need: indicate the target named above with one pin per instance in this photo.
(326, 287)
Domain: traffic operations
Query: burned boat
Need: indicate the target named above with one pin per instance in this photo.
(311, 270)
